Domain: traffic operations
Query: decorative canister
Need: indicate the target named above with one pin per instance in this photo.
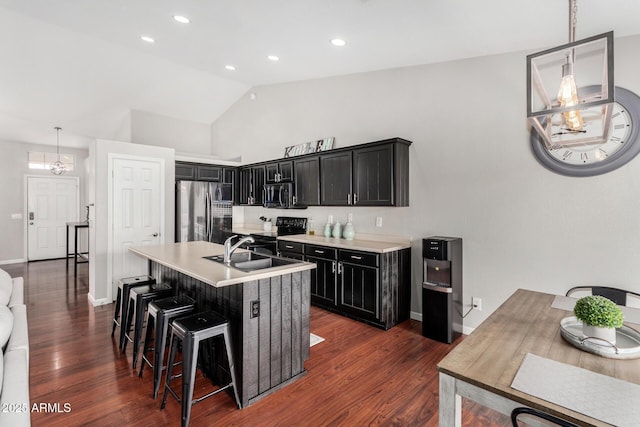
(327, 230)
(337, 230)
(348, 232)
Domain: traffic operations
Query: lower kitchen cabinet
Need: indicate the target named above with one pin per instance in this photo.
(371, 287)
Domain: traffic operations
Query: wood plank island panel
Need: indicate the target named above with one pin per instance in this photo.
(269, 349)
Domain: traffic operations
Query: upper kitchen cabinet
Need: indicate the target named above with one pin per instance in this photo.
(198, 172)
(335, 179)
(375, 174)
(251, 185)
(306, 173)
(281, 171)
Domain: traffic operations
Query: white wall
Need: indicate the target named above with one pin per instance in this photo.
(472, 171)
(13, 168)
(183, 135)
(99, 227)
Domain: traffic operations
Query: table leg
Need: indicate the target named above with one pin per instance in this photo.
(75, 250)
(450, 411)
(67, 252)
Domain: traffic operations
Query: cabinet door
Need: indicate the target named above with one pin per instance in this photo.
(209, 173)
(323, 281)
(257, 184)
(286, 171)
(373, 172)
(335, 179)
(244, 186)
(271, 173)
(228, 175)
(359, 291)
(186, 171)
(307, 180)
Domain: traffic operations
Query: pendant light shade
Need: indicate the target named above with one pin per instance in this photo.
(57, 167)
(571, 88)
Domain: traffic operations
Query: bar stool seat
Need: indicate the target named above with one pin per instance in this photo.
(190, 331)
(160, 314)
(139, 299)
(122, 305)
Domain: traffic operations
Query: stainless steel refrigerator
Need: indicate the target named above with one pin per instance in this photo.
(203, 211)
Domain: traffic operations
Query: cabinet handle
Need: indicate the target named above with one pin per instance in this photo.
(333, 267)
(349, 198)
(339, 268)
(355, 257)
(318, 252)
(355, 198)
(288, 246)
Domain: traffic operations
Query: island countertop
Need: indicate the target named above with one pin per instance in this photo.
(187, 258)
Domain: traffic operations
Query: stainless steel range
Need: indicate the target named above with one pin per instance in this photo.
(265, 241)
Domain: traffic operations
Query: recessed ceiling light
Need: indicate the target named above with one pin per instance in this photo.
(147, 39)
(338, 42)
(182, 19)
(230, 67)
(273, 58)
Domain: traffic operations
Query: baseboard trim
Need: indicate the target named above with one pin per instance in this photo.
(98, 302)
(12, 261)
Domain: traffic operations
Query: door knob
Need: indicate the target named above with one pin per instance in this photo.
(31, 223)
(155, 234)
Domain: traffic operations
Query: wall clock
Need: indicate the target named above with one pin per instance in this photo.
(622, 144)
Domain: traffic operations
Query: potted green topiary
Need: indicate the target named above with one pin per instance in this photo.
(600, 317)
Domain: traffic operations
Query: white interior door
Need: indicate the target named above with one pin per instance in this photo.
(52, 201)
(137, 214)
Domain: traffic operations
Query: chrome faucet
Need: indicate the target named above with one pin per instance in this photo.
(228, 249)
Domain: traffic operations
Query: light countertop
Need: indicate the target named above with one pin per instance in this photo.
(187, 258)
(378, 246)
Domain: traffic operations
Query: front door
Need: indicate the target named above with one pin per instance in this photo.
(52, 201)
(137, 214)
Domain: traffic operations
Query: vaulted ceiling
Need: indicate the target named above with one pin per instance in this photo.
(81, 64)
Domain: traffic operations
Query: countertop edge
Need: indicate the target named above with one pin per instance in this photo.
(358, 245)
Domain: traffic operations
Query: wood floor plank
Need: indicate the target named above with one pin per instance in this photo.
(358, 376)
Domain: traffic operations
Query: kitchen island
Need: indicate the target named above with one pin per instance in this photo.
(268, 310)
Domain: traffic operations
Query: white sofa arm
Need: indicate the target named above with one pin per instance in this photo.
(17, 294)
(19, 338)
(15, 408)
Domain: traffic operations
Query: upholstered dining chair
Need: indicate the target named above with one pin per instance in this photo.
(524, 416)
(619, 296)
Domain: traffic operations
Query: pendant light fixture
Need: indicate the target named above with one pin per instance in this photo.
(57, 167)
(570, 88)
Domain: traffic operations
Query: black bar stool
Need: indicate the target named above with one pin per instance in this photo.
(139, 299)
(124, 286)
(160, 314)
(191, 330)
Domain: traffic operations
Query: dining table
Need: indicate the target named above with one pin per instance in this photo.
(518, 357)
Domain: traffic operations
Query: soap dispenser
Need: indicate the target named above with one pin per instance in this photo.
(337, 230)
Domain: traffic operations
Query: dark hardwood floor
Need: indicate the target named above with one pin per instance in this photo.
(358, 376)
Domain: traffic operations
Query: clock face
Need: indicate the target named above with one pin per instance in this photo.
(621, 144)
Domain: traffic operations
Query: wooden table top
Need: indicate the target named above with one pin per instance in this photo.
(526, 323)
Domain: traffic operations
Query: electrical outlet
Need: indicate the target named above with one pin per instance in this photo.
(255, 309)
(378, 221)
(476, 303)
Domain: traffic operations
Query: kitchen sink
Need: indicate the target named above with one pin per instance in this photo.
(251, 261)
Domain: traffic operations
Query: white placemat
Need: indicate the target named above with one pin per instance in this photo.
(631, 315)
(598, 396)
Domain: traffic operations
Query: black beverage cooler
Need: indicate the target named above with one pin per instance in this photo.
(442, 288)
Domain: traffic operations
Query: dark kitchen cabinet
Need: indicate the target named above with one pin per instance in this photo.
(373, 171)
(251, 185)
(279, 172)
(359, 284)
(199, 172)
(324, 278)
(335, 179)
(306, 173)
(368, 286)
(375, 174)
